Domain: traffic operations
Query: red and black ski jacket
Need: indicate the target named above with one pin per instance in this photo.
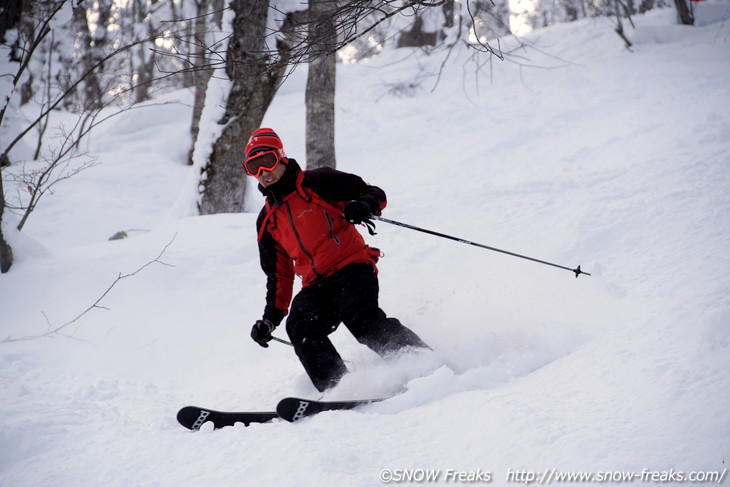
(301, 230)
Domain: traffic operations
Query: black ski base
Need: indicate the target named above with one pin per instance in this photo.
(193, 417)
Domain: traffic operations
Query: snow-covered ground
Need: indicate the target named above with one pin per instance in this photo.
(574, 150)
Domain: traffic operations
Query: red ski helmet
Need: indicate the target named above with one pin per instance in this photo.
(264, 139)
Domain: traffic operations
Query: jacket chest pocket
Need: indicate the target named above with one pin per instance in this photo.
(309, 226)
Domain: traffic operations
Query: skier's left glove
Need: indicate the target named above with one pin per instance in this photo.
(261, 332)
(357, 211)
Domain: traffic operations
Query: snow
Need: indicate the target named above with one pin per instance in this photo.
(576, 152)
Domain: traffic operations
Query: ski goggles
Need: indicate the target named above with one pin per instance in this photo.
(262, 161)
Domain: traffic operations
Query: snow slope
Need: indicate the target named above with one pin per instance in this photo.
(574, 150)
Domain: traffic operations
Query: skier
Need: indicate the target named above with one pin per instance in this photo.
(307, 228)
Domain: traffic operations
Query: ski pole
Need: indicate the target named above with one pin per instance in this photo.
(576, 271)
(276, 339)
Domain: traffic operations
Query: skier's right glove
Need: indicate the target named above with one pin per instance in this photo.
(261, 332)
(357, 211)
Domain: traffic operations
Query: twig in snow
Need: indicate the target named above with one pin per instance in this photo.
(57, 332)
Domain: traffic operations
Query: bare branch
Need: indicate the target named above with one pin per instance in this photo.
(45, 29)
(57, 332)
(66, 93)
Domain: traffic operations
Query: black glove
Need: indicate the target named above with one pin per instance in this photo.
(357, 211)
(261, 332)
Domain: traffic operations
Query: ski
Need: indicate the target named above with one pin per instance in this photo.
(290, 409)
(294, 408)
(193, 417)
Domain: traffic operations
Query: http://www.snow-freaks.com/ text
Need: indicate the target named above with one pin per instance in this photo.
(548, 476)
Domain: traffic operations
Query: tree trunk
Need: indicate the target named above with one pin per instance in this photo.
(28, 35)
(645, 6)
(448, 10)
(254, 81)
(571, 11)
(90, 90)
(320, 92)
(417, 37)
(201, 73)
(6, 253)
(10, 17)
(684, 12)
(145, 69)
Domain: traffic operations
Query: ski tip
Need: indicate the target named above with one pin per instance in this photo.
(294, 408)
(290, 408)
(192, 417)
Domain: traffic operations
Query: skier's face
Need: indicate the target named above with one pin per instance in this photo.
(267, 178)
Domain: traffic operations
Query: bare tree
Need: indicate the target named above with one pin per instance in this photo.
(256, 69)
(9, 16)
(684, 12)
(621, 10)
(255, 73)
(321, 82)
(200, 69)
(416, 36)
(201, 73)
(6, 253)
(151, 21)
(21, 52)
(94, 43)
(65, 160)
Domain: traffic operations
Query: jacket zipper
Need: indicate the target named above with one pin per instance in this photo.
(331, 227)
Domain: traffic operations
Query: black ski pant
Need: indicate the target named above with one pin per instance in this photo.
(349, 296)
